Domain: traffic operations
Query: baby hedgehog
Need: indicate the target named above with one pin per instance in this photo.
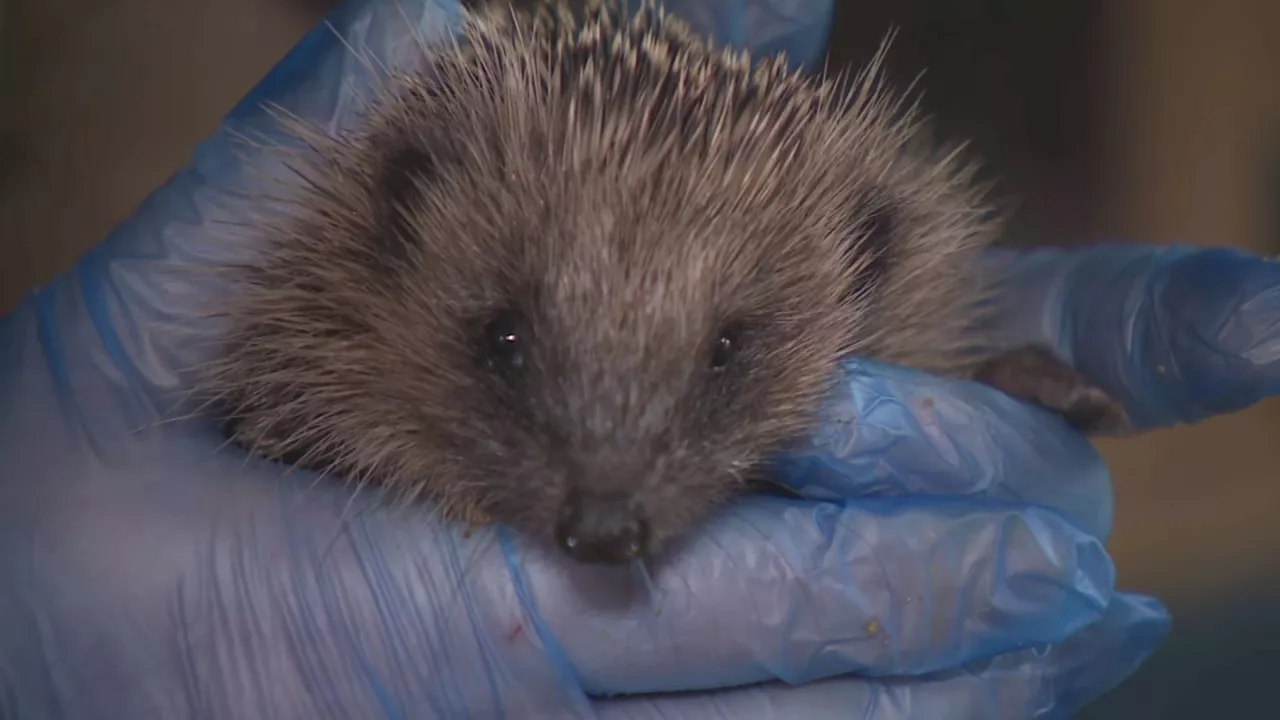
(585, 273)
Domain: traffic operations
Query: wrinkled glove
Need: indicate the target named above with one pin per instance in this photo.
(947, 560)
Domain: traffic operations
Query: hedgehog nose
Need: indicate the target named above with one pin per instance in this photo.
(602, 529)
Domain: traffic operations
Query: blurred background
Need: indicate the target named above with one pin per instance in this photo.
(1148, 120)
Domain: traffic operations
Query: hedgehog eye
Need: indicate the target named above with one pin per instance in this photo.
(725, 348)
(505, 340)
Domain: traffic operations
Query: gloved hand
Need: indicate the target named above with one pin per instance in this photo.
(949, 562)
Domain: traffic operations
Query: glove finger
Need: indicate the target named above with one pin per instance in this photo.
(797, 590)
(1054, 681)
(1026, 684)
(1176, 334)
(888, 431)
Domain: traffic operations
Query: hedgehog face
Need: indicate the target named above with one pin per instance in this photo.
(628, 365)
(584, 287)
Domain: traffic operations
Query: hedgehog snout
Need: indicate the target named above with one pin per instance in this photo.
(602, 527)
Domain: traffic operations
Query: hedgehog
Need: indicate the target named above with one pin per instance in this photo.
(585, 273)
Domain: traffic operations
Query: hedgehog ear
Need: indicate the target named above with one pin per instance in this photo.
(398, 188)
(872, 229)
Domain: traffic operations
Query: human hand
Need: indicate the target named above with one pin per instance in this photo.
(144, 573)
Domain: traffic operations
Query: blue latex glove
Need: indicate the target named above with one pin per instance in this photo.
(956, 568)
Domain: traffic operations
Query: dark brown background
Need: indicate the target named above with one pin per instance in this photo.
(1154, 120)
